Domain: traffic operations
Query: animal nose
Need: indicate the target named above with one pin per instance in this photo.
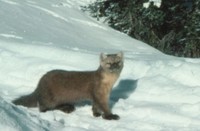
(114, 66)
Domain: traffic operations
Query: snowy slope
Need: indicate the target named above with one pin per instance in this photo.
(155, 92)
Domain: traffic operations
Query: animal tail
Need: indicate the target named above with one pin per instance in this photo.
(27, 100)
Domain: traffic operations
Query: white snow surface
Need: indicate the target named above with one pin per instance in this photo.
(155, 92)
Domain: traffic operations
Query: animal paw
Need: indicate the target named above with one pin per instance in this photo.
(96, 114)
(111, 117)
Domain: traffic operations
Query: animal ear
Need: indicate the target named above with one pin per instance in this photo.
(103, 56)
(120, 54)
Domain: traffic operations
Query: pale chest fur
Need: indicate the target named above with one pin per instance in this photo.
(108, 80)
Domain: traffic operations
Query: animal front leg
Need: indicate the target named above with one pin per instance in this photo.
(96, 110)
(102, 103)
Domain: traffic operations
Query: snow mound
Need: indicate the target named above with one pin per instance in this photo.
(15, 119)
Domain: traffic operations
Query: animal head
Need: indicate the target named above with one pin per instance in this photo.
(112, 63)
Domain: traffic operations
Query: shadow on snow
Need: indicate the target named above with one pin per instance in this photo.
(123, 90)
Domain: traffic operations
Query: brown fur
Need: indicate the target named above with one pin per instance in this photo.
(59, 89)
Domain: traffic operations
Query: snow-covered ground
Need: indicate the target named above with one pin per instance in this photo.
(155, 92)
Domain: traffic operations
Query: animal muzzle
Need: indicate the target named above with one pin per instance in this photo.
(114, 66)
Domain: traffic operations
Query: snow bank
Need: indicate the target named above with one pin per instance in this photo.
(15, 119)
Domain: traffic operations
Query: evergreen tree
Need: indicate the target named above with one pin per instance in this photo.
(191, 32)
(174, 28)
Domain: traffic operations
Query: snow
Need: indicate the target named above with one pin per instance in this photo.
(155, 92)
(155, 2)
